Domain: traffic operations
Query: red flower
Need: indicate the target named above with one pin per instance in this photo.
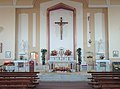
(68, 52)
(9, 63)
(54, 53)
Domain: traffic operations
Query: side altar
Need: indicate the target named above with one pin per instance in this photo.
(20, 66)
(62, 62)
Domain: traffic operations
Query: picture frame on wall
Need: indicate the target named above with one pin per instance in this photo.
(8, 54)
(0, 47)
(115, 53)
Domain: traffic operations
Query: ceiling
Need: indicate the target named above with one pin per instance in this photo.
(17, 3)
(30, 3)
(103, 3)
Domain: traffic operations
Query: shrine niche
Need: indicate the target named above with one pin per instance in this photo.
(61, 28)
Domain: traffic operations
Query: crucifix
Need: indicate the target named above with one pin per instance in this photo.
(61, 23)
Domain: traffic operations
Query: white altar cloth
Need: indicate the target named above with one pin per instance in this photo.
(61, 58)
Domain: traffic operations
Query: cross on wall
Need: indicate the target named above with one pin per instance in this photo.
(61, 23)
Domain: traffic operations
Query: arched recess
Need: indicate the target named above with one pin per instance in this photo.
(66, 7)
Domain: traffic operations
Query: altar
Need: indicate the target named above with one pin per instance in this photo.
(62, 62)
(21, 66)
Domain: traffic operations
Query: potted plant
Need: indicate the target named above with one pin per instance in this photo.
(79, 55)
(102, 56)
(43, 51)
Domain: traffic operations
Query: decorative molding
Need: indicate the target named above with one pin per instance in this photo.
(34, 30)
(61, 6)
(103, 6)
(16, 6)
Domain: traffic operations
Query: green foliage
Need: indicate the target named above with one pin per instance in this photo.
(79, 55)
(43, 51)
(79, 51)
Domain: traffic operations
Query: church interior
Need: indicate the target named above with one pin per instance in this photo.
(60, 40)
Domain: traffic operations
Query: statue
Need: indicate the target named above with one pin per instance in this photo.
(100, 46)
(22, 46)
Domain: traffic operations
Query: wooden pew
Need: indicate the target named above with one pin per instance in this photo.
(98, 82)
(101, 80)
(19, 74)
(16, 80)
(100, 72)
(24, 84)
(110, 86)
(104, 74)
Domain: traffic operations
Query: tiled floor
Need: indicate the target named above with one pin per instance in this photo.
(64, 85)
(62, 80)
(62, 76)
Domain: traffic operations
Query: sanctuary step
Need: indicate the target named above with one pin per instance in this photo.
(42, 68)
(64, 76)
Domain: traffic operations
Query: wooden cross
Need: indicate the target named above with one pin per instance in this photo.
(61, 23)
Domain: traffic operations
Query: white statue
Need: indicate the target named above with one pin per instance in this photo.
(100, 45)
(22, 46)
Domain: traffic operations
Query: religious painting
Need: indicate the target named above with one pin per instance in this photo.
(8, 54)
(115, 53)
(0, 47)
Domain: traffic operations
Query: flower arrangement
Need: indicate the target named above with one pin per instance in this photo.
(9, 63)
(68, 52)
(67, 69)
(54, 53)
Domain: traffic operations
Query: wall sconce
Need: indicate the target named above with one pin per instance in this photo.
(90, 41)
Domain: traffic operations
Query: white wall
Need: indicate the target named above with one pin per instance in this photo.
(7, 34)
(114, 30)
(67, 36)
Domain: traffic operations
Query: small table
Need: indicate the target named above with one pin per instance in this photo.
(103, 65)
